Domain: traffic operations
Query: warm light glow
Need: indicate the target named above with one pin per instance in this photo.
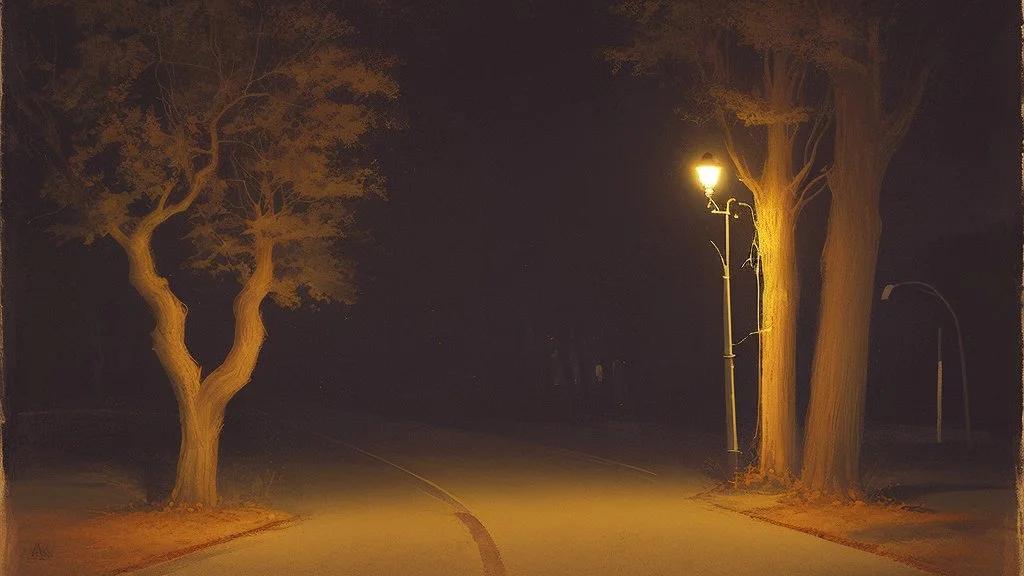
(708, 172)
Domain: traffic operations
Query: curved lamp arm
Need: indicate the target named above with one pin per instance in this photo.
(887, 292)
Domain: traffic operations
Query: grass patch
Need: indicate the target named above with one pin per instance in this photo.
(97, 505)
(96, 520)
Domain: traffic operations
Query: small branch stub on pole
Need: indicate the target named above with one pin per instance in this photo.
(938, 395)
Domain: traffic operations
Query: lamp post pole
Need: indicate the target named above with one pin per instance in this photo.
(887, 291)
(708, 172)
(731, 441)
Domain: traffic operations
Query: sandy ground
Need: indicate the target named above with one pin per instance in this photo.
(555, 498)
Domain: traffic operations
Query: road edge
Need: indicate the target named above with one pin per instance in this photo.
(279, 524)
(835, 539)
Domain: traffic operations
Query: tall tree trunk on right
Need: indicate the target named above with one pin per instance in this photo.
(839, 373)
(776, 224)
(866, 136)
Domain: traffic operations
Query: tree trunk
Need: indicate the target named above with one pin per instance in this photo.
(196, 480)
(778, 194)
(839, 374)
(201, 401)
(776, 238)
(169, 312)
(777, 415)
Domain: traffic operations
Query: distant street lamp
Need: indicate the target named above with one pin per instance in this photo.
(887, 291)
(708, 172)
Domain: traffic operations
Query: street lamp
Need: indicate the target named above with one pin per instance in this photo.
(887, 291)
(708, 172)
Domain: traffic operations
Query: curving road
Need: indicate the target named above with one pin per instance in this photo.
(393, 498)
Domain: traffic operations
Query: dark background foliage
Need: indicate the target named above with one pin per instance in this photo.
(535, 204)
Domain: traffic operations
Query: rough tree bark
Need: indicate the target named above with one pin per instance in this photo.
(839, 371)
(865, 138)
(780, 192)
(201, 401)
(203, 414)
(776, 224)
(196, 479)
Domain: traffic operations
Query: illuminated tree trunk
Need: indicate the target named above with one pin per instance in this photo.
(776, 225)
(839, 374)
(201, 401)
(778, 195)
(196, 479)
(776, 231)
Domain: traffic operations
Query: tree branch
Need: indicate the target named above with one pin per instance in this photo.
(721, 258)
(248, 145)
(236, 370)
(822, 122)
(215, 51)
(797, 78)
(199, 182)
(256, 54)
(168, 311)
(742, 169)
(766, 70)
(119, 236)
(811, 191)
(897, 123)
(817, 134)
(245, 195)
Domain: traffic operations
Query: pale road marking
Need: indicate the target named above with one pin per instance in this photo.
(576, 453)
(602, 460)
(490, 556)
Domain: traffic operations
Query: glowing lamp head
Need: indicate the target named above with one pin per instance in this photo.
(887, 291)
(708, 172)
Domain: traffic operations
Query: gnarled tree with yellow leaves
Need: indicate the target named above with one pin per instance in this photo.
(250, 122)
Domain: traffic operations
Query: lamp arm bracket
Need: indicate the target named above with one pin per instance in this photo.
(720, 256)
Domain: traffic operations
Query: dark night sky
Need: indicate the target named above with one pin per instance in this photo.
(534, 193)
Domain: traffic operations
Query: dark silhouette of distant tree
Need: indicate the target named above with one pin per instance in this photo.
(250, 121)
